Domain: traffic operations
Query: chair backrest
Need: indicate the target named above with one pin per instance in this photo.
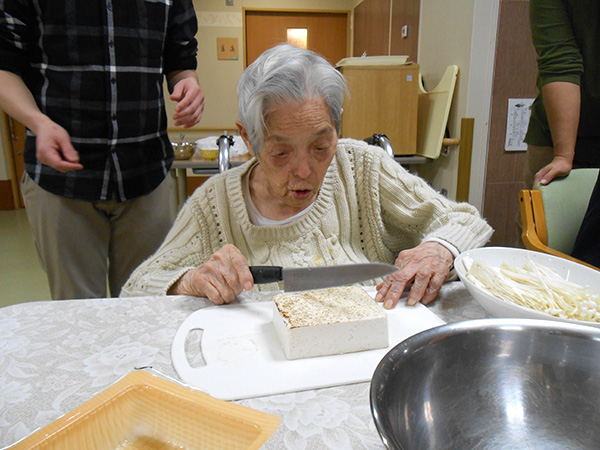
(565, 203)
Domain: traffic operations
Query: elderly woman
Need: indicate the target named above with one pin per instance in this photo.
(307, 199)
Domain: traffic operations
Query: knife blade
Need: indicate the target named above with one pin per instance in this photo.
(306, 278)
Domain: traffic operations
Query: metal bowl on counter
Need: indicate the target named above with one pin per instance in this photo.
(491, 384)
(182, 150)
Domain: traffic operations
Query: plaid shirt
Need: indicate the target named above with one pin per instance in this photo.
(96, 68)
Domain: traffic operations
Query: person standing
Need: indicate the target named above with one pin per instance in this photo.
(564, 129)
(587, 244)
(86, 79)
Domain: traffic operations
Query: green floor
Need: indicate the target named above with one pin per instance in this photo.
(22, 278)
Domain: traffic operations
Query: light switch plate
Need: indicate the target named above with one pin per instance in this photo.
(227, 49)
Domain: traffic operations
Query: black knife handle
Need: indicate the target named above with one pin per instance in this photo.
(266, 274)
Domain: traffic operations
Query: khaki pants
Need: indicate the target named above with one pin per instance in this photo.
(83, 246)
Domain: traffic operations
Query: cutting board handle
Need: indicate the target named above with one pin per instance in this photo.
(180, 361)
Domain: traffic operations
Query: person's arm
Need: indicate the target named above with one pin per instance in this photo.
(53, 143)
(180, 64)
(412, 212)
(16, 100)
(427, 266)
(560, 67)
(562, 101)
(220, 279)
(186, 91)
(191, 260)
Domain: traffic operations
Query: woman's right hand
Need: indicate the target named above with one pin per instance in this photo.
(221, 279)
(559, 167)
(54, 148)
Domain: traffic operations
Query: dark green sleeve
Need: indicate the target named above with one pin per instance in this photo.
(559, 57)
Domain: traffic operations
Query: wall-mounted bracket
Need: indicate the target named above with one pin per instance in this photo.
(465, 143)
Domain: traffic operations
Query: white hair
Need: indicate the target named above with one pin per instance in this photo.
(285, 74)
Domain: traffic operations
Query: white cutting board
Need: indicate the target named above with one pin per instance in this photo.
(244, 358)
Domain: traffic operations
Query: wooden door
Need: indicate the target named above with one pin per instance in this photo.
(17, 134)
(372, 28)
(327, 32)
(514, 76)
(379, 25)
(404, 32)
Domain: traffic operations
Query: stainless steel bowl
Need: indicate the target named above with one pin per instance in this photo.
(491, 384)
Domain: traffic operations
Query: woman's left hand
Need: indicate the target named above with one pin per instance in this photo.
(426, 265)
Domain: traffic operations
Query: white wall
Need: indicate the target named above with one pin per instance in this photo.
(461, 32)
(445, 34)
(483, 50)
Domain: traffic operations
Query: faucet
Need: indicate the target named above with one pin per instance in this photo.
(382, 141)
(224, 142)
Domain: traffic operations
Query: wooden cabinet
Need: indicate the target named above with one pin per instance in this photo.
(10, 190)
(383, 99)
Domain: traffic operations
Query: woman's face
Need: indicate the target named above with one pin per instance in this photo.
(299, 145)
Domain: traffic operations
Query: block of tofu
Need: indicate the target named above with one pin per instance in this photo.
(328, 322)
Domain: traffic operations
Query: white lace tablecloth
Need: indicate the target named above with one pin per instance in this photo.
(55, 355)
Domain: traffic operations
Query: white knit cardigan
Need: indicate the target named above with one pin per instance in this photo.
(369, 208)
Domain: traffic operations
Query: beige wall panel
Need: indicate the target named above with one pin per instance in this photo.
(218, 78)
(445, 39)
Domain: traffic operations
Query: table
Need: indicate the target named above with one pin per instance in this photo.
(55, 355)
(200, 166)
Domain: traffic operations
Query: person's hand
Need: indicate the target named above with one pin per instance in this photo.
(190, 102)
(426, 265)
(221, 279)
(54, 148)
(559, 167)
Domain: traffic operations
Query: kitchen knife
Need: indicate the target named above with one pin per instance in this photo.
(306, 278)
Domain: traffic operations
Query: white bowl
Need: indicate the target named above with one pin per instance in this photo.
(495, 256)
